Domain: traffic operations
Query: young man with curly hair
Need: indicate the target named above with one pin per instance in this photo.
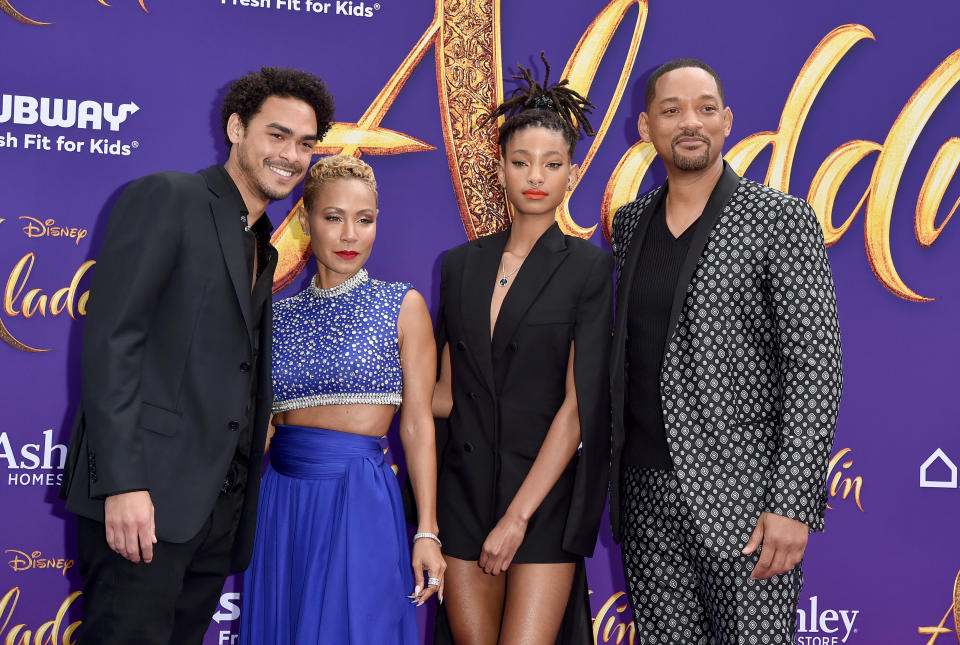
(164, 462)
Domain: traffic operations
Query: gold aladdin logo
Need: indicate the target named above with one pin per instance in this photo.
(18, 300)
(466, 37)
(953, 611)
(54, 632)
(9, 9)
(23, 561)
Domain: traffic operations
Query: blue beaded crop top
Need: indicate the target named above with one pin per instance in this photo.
(338, 345)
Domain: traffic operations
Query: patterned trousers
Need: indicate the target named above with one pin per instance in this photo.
(682, 593)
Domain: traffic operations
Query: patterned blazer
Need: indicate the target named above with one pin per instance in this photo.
(751, 374)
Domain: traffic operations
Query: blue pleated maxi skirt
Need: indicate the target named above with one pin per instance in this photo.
(331, 562)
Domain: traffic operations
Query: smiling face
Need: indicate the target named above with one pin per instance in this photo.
(271, 153)
(536, 170)
(687, 122)
(341, 221)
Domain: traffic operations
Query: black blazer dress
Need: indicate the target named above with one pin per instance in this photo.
(507, 391)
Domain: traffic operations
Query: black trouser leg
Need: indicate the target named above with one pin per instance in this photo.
(169, 601)
(208, 569)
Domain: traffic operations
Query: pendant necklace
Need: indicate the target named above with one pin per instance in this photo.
(505, 276)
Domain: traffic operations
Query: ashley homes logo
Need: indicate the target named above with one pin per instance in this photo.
(64, 113)
(817, 626)
(33, 464)
(938, 471)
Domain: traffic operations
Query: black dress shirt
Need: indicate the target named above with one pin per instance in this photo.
(256, 239)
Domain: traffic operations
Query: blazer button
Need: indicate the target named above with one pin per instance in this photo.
(244, 367)
(461, 345)
(467, 447)
(473, 395)
(234, 425)
(513, 346)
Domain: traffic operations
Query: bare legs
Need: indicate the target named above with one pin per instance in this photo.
(523, 605)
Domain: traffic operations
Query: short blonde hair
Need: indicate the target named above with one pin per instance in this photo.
(336, 167)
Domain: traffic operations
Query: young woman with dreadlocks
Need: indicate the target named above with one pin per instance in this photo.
(524, 329)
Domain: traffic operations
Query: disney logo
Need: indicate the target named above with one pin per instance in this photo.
(48, 228)
(22, 561)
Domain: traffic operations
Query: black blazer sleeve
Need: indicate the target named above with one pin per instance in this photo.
(138, 255)
(441, 424)
(594, 320)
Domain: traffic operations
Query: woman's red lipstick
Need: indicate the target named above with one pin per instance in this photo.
(534, 193)
(347, 255)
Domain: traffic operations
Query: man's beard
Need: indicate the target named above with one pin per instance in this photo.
(683, 162)
(687, 163)
(265, 190)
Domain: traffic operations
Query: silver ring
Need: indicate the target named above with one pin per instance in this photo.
(433, 582)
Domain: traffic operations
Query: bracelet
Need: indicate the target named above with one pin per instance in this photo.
(432, 536)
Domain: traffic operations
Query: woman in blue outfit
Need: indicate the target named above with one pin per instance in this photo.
(331, 561)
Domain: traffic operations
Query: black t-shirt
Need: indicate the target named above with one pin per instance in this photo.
(648, 318)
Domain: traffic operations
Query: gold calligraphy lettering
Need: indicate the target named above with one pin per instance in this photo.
(826, 184)
(889, 169)
(848, 484)
(34, 301)
(610, 625)
(8, 9)
(954, 609)
(142, 5)
(625, 182)
(935, 184)
(48, 632)
(581, 70)
(810, 81)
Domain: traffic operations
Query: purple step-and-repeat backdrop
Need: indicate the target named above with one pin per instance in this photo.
(851, 105)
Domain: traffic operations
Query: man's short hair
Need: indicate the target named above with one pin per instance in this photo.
(678, 63)
(247, 94)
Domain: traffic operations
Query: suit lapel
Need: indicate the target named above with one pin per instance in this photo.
(479, 273)
(544, 258)
(223, 206)
(721, 194)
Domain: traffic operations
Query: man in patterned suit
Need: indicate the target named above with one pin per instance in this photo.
(726, 378)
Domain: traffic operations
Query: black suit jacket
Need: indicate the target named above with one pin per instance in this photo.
(751, 375)
(167, 349)
(507, 391)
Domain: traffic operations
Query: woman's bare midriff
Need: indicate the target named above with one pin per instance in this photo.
(355, 418)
